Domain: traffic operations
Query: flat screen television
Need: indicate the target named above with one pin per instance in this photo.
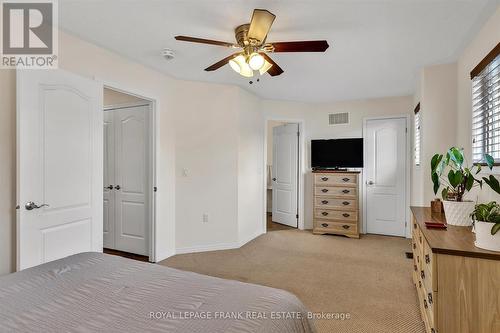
(337, 153)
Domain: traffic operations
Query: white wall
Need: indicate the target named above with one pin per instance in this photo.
(438, 105)
(315, 120)
(7, 170)
(207, 149)
(251, 170)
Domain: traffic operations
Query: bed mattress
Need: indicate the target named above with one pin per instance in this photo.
(95, 292)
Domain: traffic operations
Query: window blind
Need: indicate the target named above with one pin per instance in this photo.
(486, 112)
(418, 134)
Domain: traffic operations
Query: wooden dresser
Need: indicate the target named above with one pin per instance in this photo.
(458, 285)
(335, 203)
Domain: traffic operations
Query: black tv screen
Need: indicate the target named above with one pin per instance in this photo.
(337, 153)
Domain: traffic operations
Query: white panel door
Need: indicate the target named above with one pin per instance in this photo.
(385, 172)
(109, 181)
(59, 170)
(285, 174)
(131, 193)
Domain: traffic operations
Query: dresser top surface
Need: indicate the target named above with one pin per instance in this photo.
(453, 240)
(337, 171)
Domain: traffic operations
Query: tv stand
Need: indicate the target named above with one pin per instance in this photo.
(329, 169)
(316, 171)
(336, 208)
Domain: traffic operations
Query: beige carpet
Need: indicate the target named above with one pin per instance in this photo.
(369, 278)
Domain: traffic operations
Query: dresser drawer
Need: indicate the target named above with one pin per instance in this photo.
(337, 191)
(335, 179)
(343, 215)
(333, 203)
(335, 227)
(429, 266)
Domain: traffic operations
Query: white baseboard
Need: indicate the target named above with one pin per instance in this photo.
(217, 247)
(205, 248)
(251, 237)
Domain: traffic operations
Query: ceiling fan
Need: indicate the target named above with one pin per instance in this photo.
(251, 37)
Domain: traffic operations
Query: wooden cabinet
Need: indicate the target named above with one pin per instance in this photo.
(458, 285)
(336, 203)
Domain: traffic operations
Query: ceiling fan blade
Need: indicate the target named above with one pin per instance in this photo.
(275, 70)
(260, 24)
(221, 63)
(204, 41)
(302, 46)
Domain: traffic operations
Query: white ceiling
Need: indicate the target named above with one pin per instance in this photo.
(376, 46)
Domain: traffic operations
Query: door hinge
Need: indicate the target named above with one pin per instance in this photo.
(406, 130)
(297, 216)
(298, 133)
(155, 189)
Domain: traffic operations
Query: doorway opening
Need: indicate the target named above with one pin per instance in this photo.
(129, 174)
(282, 175)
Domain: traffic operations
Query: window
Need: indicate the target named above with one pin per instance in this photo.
(486, 107)
(418, 134)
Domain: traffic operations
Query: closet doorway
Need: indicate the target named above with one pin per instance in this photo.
(128, 174)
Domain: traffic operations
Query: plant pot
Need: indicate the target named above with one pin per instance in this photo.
(458, 213)
(484, 238)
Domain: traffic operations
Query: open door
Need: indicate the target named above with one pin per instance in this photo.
(59, 166)
(285, 174)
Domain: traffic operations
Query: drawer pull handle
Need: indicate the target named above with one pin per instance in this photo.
(324, 225)
(345, 203)
(324, 190)
(345, 226)
(420, 284)
(418, 259)
(427, 259)
(345, 215)
(422, 274)
(345, 191)
(414, 245)
(324, 213)
(324, 179)
(346, 179)
(414, 226)
(429, 297)
(324, 202)
(415, 267)
(425, 304)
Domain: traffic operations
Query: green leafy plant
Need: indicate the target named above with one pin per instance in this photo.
(452, 172)
(488, 212)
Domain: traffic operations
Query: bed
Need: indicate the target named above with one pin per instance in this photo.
(95, 292)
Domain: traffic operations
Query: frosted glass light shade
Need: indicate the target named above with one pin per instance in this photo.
(256, 61)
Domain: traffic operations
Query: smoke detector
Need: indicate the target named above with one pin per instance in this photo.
(168, 54)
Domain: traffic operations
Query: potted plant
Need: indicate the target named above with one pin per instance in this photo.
(451, 172)
(486, 224)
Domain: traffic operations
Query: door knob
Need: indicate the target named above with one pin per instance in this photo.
(274, 179)
(370, 182)
(30, 205)
(117, 187)
(110, 187)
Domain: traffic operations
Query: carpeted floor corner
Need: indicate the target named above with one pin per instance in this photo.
(369, 278)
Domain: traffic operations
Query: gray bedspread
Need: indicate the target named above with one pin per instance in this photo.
(94, 292)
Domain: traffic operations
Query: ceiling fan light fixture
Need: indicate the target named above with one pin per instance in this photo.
(240, 66)
(256, 61)
(267, 65)
(234, 65)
